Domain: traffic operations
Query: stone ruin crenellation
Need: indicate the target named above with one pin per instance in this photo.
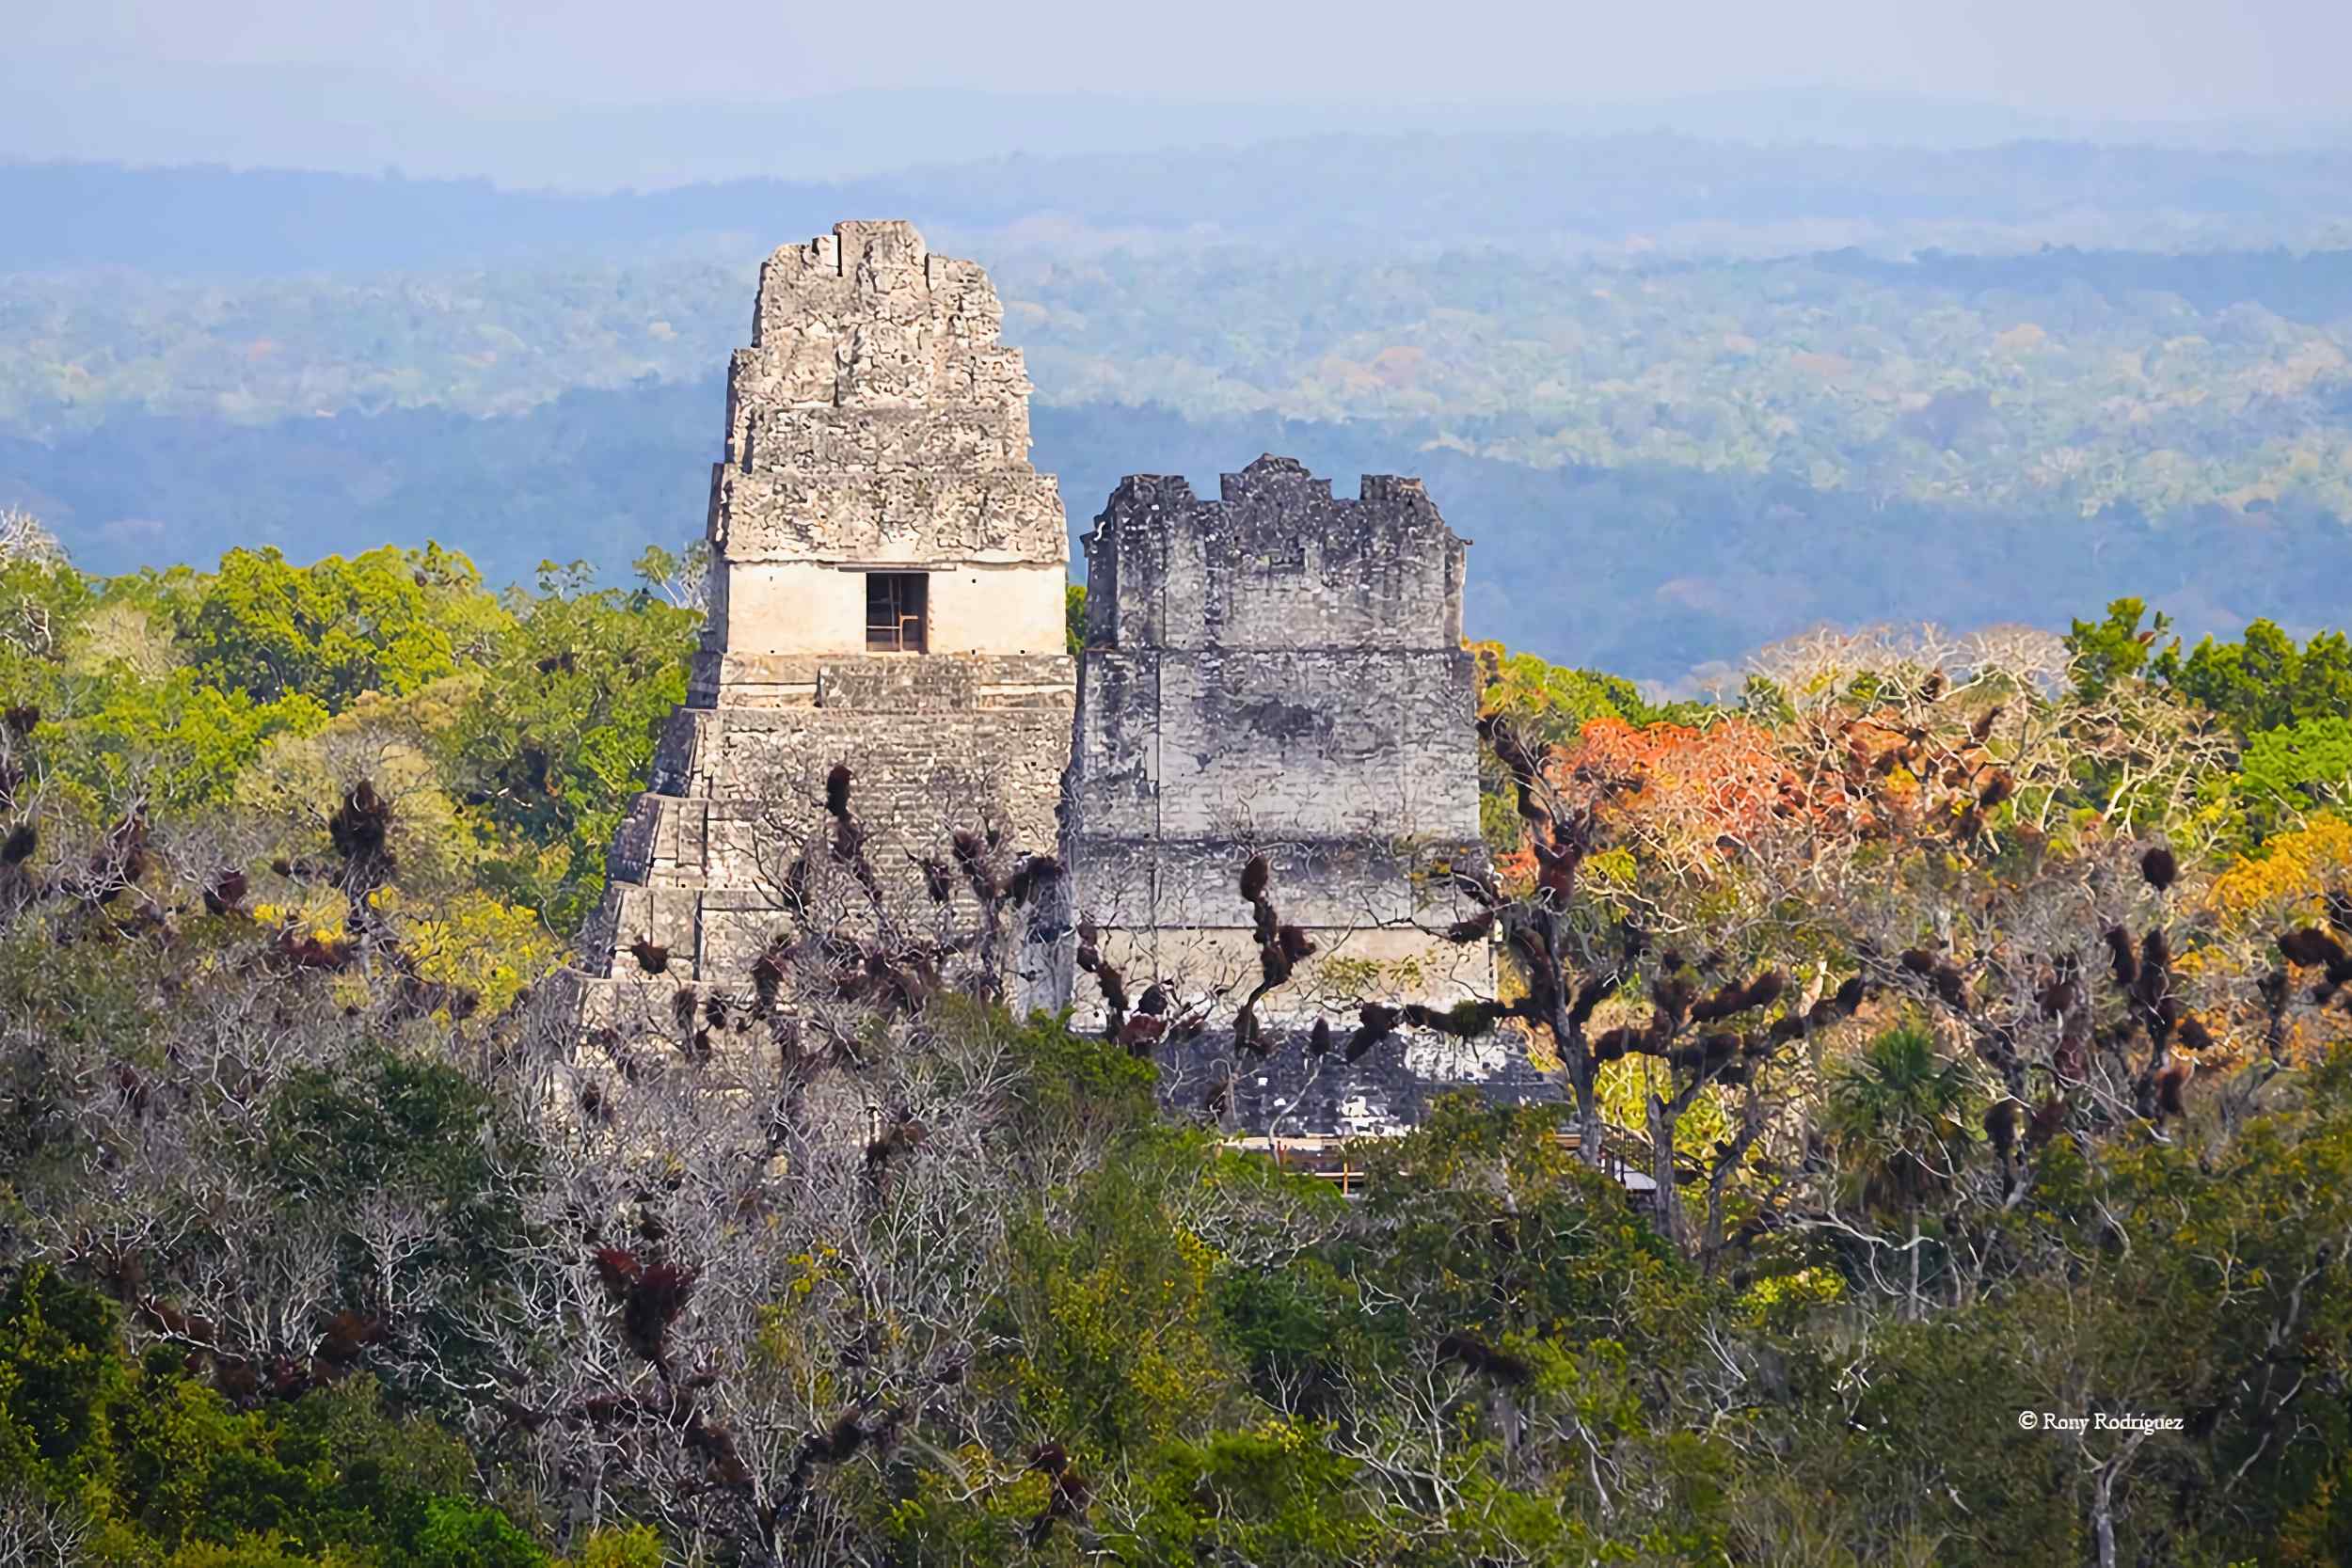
(1275, 672)
(1279, 673)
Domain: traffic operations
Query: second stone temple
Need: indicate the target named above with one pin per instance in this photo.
(1278, 673)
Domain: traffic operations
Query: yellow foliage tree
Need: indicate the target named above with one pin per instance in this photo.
(2284, 882)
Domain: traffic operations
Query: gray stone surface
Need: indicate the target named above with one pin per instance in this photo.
(1275, 672)
(1280, 672)
(874, 423)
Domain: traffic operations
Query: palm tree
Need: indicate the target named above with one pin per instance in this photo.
(1896, 1113)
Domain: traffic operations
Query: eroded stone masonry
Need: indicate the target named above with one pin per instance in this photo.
(1273, 672)
(887, 592)
(1281, 673)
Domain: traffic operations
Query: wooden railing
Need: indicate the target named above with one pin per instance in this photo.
(1625, 1157)
(905, 635)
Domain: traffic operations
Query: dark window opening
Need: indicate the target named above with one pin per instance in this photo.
(896, 603)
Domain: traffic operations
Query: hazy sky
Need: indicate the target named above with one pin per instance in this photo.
(2129, 58)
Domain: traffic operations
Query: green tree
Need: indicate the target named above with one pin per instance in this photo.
(1550, 703)
(2292, 769)
(44, 604)
(180, 739)
(171, 1473)
(1897, 1113)
(390, 621)
(2264, 681)
(62, 1381)
(1114, 1311)
(561, 734)
(2113, 650)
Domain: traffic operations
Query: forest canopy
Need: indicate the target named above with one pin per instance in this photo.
(1979, 1005)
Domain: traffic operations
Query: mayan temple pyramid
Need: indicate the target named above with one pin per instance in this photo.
(887, 592)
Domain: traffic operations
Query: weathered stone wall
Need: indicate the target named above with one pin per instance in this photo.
(699, 864)
(874, 423)
(1279, 672)
(1274, 672)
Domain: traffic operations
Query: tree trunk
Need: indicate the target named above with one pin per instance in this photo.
(1589, 1131)
(1719, 1178)
(1913, 1311)
(2103, 1498)
(1661, 1158)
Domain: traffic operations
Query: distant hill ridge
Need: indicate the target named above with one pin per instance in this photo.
(1338, 192)
(361, 119)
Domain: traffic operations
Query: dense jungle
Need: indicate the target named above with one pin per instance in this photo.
(1979, 999)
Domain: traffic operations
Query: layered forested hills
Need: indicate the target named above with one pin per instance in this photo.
(1666, 461)
(1688, 396)
(1659, 572)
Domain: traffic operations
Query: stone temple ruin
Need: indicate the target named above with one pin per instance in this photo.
(887, 591)
(1279, 673)
(1274, 673)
